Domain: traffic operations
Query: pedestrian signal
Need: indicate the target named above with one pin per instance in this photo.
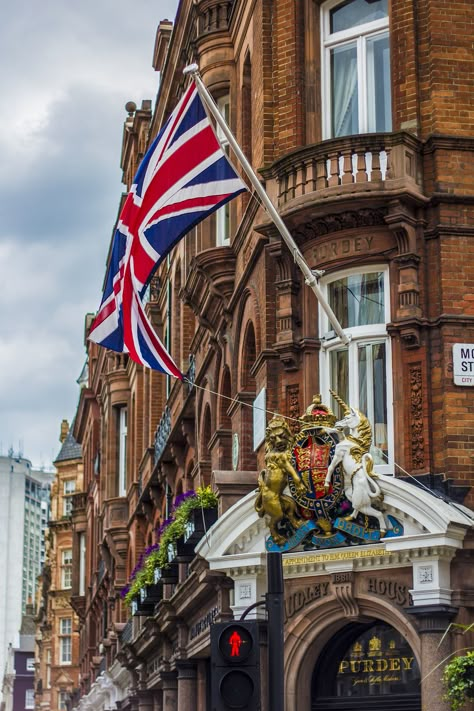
(235, 666)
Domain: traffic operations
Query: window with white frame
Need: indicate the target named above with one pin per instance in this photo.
(66, 568)
(360, 372)
(29, 699)
(122, 451)
(62, 700)
(356, 67)
(223, 214)
(48, 669)
(65, 640)
(82, 564)
(69, 487)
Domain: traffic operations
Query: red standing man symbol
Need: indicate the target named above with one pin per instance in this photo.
(235, 640)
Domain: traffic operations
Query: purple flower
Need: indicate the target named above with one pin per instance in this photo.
(163, 526)
(151, 548)
(138, 566)
(182, 497)
(124, 591)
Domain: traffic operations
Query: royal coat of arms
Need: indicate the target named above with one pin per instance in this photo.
(319, 488)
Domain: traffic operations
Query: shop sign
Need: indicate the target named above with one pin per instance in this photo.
(463, 364)
(203, 623)
(391, 589)
(378, 662)
(300, 598)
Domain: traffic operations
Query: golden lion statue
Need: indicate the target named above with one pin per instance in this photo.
(272, 480)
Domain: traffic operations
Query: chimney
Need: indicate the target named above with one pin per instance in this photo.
(64, 430)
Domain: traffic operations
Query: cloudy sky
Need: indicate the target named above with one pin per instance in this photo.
(68, 68)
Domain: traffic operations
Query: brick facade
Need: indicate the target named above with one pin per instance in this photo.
(242, 317)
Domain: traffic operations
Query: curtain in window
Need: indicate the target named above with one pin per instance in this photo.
(344, 90)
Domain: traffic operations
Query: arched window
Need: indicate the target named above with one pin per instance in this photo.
(225, 400)
(206, 433)
(356, 67)
(223, 214)
(249, 355)
(360, 372)
(367, 667)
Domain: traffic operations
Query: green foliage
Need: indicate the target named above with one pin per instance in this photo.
(203, 498)
(458, 679)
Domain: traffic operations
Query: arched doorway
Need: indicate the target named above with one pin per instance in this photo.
(366, 666)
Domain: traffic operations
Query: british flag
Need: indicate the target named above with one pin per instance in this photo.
(183, 178)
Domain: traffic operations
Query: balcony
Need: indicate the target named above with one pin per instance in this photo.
(162, 433)
(352, 172)
(79, 502)
(115, 514)
(214, 16)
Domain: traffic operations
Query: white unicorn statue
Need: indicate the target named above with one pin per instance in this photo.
(352, 452)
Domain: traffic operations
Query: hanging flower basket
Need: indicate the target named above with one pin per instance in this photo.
(168, 575)
(139, 608)
(151, 594)
(194, 512)
(199, 522)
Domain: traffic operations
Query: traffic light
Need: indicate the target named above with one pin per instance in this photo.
(235, 666)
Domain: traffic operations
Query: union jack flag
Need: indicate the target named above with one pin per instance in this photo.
(183, 178)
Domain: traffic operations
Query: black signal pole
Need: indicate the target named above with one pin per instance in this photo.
(275, 599)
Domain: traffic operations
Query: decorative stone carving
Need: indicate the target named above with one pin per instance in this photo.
(416, 417)
(351, 219)
(342, 585)
(293, 406)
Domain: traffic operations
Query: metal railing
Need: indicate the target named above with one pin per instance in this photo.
(162, 433)
(127, 632)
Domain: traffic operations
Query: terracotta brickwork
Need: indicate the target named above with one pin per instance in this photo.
(57, 637)
(242, 319)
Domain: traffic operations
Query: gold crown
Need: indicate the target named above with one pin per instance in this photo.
(391, 644)
(375, 645)
(357, 648)
(319, 414)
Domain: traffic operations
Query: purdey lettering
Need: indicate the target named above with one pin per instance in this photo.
(338, 248)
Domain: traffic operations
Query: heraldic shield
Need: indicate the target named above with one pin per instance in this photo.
(319, 488)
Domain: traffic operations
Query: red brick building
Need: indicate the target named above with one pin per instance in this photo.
(57, 638)
(359, 118)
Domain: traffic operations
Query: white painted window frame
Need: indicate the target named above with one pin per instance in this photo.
(122, 450)
(358, 35)
(66, 568)
(222, 225)
(82, 564)
(360, 335)
(65, 641)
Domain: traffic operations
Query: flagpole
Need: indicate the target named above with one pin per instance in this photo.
(311, 276)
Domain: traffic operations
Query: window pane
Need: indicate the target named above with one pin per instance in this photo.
(69, 486)
(358, 300)
(66, 625)
(344, 91)
(339, 369)
(378, 84)
(373, 396)
(357, 12)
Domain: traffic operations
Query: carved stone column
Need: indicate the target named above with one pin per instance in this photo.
(169, 685)
(145, 701)
(433, 622)
(187, 685)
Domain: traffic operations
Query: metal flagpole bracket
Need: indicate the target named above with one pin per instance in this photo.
(317, 274)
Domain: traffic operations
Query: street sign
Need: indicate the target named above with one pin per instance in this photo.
(463, 364)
